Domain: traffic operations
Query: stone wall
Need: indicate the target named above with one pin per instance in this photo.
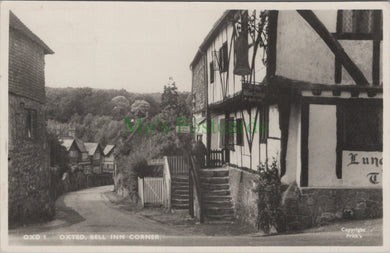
(309, 207)
(305, 207)
(244, 199)
(28, 168)
(199, 85)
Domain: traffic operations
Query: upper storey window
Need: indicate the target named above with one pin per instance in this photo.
(359, 24)
(223, 58)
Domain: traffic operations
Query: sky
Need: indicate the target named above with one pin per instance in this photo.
(135, 46)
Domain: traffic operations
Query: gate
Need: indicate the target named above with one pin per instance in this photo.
(151, 190)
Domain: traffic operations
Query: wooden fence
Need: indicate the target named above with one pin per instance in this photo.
(167, 184)
(151, 190)
(178, 165)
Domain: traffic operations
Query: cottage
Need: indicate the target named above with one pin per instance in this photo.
(303, 88)
(95, 153)
(28, 153)
(109, 159)
(76, 150)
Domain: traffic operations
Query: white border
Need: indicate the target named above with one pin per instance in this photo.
(4, 17)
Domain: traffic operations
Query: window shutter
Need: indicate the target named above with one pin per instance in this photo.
(211, 72)
(221, 130)
(239, 132)
(232, 129)
(263, 124)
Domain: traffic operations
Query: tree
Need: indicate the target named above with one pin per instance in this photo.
(170, 97)
(140, 108)
(58, 155)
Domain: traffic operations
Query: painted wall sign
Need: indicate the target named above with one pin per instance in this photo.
(362, 168)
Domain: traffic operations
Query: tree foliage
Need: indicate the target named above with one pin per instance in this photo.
(58, 155)
(270, 213)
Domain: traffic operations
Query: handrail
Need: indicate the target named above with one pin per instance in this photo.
(167, 183)
(194, 178)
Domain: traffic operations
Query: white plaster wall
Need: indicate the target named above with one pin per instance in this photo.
(360, 52)
(322, 142)
(215, 136)
(233, 81)
(273, 125)
(302, 55)
(300, 52)
(293, 155)
(241, 156)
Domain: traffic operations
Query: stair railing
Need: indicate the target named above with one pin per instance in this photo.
(167, 184)
(194, 183)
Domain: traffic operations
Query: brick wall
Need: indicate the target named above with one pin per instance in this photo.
(199, 85)
(26, 67)
(29, 173)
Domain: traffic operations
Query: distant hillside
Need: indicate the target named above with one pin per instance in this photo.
(97, 113)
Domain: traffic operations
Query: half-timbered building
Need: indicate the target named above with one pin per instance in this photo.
(303, 88)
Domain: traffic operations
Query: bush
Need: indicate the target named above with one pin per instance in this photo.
(270, 212)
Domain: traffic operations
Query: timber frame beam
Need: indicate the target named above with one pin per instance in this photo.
(334, 46)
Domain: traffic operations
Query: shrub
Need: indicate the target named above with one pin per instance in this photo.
(270, 212)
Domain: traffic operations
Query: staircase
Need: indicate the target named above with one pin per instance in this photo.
(216, 199)
(180, 192)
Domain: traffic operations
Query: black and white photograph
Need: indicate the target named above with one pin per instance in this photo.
(162, 125)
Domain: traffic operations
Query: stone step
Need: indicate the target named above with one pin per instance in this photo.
(229, 218)
(218, 222)
(180, 206)
(179, 179)
(180, 192)
(218, 204)
(180, 196)
(214, 173)
(215, 180)
(174, 186)
(180, 203)
(181, 187)
(212, 198)
(216, 192)
(207, 186)
(218, 210)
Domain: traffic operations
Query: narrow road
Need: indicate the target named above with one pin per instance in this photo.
(86, 217)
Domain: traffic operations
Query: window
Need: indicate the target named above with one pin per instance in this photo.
(97, 155)
(211, 72)
(226, 130)
(359, 22)
(239, 132)
(199, 137)
(223, 58)
(362, 127)
(31, 124)
(232, 129)
(74, 153)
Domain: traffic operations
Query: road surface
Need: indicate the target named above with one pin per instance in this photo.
(86, 217)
